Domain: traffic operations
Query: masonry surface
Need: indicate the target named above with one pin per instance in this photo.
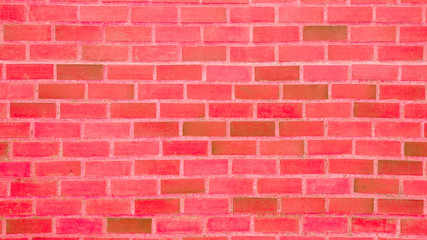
(213, 119)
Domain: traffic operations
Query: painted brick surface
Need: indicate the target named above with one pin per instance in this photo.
(213, 119)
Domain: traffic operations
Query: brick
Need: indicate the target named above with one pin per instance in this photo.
(353, 91)
(414, 72)
(415, 149)
(413, 34)
(12, 52)
(57, 130)
(325, 73)
(133, 110)
(397, 129)
(15, 169)
(376, 110)
(282, 147)
(83, 188)
(83, 110)
(178, 34)
(209, 92)
(378, 148)
(156, 129)
(398, 14)
(103, 13)
(277, 73)
(323, 224)
(230, 110)
(350, 52)
(205, 167)
(15, 207)
(349, 129)
(104, 53)
(279, 185)
(107, 207)
(157, 206)
(38, 188)
(14, 129)
(160, 91)
(328, 110)
(328, 186)
(298, 166)
(402, 92)
(128, 34)
(252, 129)
(349, 14)
(228, 224)
(32, 110)
(251, 14)
(413, 226)
(279, 110)
(226, 34)
(35, 149)
(162, 53)
(254, 205)
(386, 167)
(351, 166)
(54, 13)
(400, 53)
(110, 91)
(129, 225)
(254, 166)
(108, 168)
(79, 72)
(143, 187)
(4, 149)
(301, 128)
(177, 186)
(203, 53)
(179, 225)
(204, 129)
(376, 186)
(78, 33)
(282, 224)
(86, 149)
(136, 148)
(182, 110)
(203, 14)
(252, 54)
(53, 52)
(231, 186)
(193, 148)
(376, 225)
(302, 205)
(58, 168)
(399, 206)
(29, 71)
(28, 225)
(233, 147)
(27, 32)
(415, 110)
(12, 12)
(308, 91)
(351, 205)
(16, 91)
(301, 53)
(325, 33)
(156, 167)
(206, 205)
(61, 91)
(154, 14)
(267, 34)
(179, 72)
(228, 74)
(304, 14)
(58, 207)
(414, 187)
(373, 33)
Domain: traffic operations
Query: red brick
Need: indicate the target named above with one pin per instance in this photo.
(377, 148)
(79, 72)
(376, 110)
(350, 52)
(14, 129)
(229, 74)
(376, 186)
(373, 225)
(193, 148)
(54, 13)
(32, 110)
(328, 186)
(325, 73)
(351, 205)
(416, 149)
(58, 207)
(282, 147)
(29, 71)
(12, 52)
(129, 225)
(28, 225)
(386, 167)
(12, 12)
(27, 33)
(136, 149)
(103, 13)
(133, 110)
(157, 206)
(325, 33)
(57, 130)
(128, 34)
(233, 147)
(413, 34)
(414, 72)
(277, 73)
(61, 91)
(302, 205)
(205, 167)
(203, 14)
(104, 53)
(226, 34)
(155, 53)
(178, 34)
(209, 92)
(182, 110)
(402, 92)
(324, 225)
(156, 129)
(182, 186)
(254, 166)
(413, 227)
(15, 207)
(264, 34)
(349, 129)
(35, 149)
(160, 91)
(400, 53)
(398, 14)
(354, 91)
(16, 91)
(254, 205)
(206, 205)
(349, 14)
(301, 128)
(143, 187)
(279, 185)
(83, 110)
(157, 167)
(373, 33)
(204, 129)
(78, 33)
(252, 54)
(79, 226)
(53, 52)
(276, 224)
(203, 53)
(179, 72)
(230, 186)
(154, 14)
(399, 206)
(328, 110)
(58, 168)
(85, 149)
(304, 14)
(110, 91)
(351, 166)
(107, 206)
(414, 187)
(251, 14)
(301, 53)
(297, 166)
(38, 188)
(228, 224)
(15, 169)
(108, 168)
(230, 110)
(279, 110)
(252, 129)
(83, 188)
(397, 129)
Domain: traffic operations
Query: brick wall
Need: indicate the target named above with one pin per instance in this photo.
(213, 119)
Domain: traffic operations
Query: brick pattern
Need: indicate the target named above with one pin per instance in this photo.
(213, 119)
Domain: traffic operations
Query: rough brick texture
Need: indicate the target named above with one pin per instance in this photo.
(213, 119)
